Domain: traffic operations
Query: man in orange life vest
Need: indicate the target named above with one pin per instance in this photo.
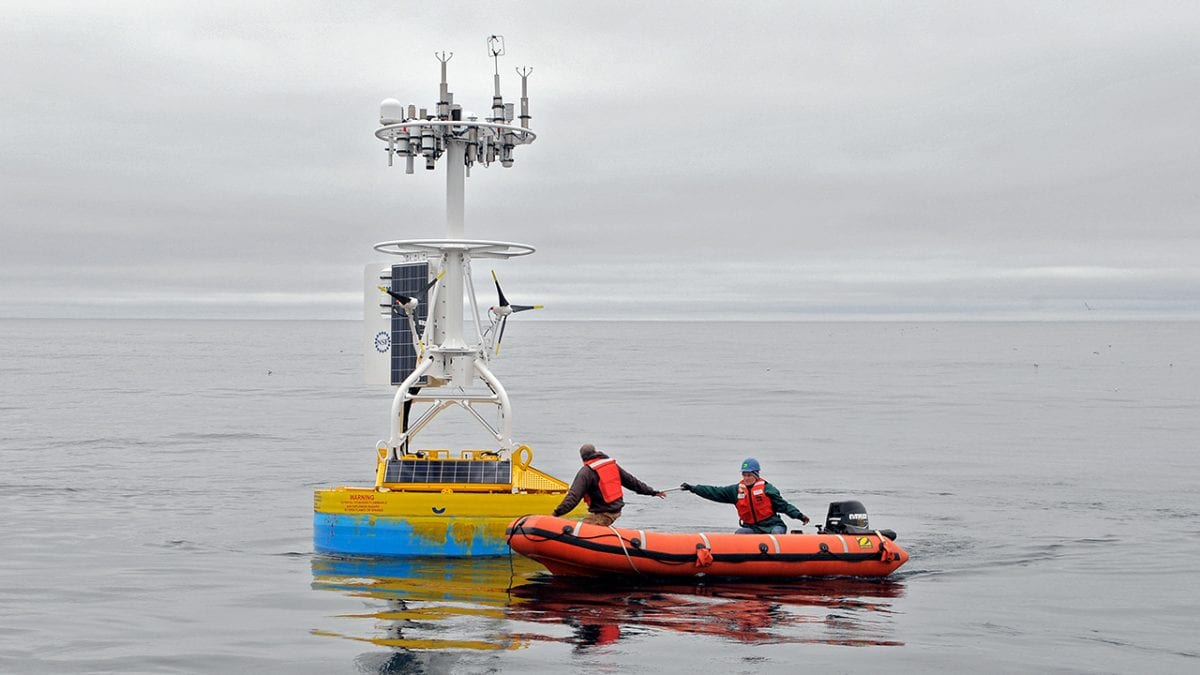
(599, 484)
(758, 502)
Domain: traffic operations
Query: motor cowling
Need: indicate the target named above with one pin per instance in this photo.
(849, 517)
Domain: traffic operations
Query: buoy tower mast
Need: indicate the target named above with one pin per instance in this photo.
(444, 357)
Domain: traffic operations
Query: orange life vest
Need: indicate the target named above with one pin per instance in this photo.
(753, 504)
(610, 479)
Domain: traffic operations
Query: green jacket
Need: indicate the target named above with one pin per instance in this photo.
(727, 494)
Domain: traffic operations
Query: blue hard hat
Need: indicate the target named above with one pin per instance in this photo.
(750, 465)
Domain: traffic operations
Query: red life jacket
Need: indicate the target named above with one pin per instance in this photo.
(610, 479)
(753, 504)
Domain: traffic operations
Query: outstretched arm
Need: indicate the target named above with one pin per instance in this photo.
(630, 481)
(725, 494)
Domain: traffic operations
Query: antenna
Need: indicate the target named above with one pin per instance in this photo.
(446, 98)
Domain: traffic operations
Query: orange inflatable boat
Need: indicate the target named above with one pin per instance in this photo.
(574, 548)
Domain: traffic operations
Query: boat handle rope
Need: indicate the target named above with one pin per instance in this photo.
(512, 532)
(512, 571)
(519, 526)
(621, 541)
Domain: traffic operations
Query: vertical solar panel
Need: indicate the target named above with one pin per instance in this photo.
(407, 279)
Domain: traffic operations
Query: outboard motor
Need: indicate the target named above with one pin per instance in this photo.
(846, 518)
(850, 517)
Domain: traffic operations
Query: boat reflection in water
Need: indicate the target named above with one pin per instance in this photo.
(829, 611)
(420, 607)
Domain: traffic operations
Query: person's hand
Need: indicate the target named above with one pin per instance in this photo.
(685, 487)
(804, 519)
(660, 495)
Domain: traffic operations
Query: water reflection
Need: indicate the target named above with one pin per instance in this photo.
(832, 611)
(430, 608)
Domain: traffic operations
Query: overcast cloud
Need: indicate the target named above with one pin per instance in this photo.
(759, 159)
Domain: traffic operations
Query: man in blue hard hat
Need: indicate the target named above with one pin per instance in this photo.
(758, 502)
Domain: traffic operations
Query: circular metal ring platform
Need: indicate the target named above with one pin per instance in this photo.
(395, 132)
(472, 247)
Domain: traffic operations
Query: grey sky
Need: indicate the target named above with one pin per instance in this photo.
(781, 160)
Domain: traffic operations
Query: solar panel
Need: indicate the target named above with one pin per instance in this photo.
(448, 471)
(407, 279)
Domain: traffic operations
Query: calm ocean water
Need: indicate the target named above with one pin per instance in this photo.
(157, 482)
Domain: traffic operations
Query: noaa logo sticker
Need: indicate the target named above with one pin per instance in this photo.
(383, 341)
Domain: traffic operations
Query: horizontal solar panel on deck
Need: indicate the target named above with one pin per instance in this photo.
(448, 471)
